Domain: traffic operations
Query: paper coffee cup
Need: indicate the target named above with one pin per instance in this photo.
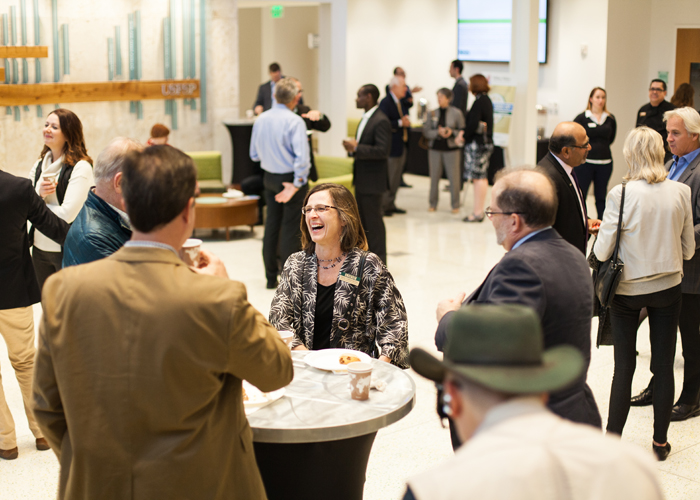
(190, 251)
(50, 177)
(287, 337)
(360, 380)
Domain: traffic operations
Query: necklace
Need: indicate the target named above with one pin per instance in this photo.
(335, 261)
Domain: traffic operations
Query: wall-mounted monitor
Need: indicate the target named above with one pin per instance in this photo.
(484, 30)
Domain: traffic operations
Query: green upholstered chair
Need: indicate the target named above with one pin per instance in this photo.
(337, 170)
(353, 123)
(208, 171)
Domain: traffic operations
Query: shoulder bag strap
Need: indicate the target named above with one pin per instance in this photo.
(619, 224)
(37, 172)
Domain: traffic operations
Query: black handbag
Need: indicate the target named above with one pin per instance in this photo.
(609, 275)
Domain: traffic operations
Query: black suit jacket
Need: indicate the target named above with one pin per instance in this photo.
(264, 98)
(370, 170)
(19, 203)
(391, 110)
(460, 93)
(321, 125)
(569, 222)
(550, 276)
(691, 268)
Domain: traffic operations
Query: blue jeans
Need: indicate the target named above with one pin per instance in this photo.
(664, 308)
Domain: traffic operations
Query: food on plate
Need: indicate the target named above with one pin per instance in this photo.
(245, 396)
(346, 359)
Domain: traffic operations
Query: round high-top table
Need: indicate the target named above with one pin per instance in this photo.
(314, 442)
(225, 212)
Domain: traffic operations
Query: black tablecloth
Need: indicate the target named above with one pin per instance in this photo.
(243, 166)
(417, 157)
(315, 471)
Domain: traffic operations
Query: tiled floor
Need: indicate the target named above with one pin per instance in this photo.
(431, 256)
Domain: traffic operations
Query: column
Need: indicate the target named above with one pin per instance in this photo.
(522, 149)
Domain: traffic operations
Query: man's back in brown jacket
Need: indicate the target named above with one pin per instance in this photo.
(138, 379)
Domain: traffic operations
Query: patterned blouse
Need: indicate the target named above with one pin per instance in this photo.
(378, 318)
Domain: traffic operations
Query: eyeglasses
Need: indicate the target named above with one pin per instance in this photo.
(320, 209)
(490, 213)
(585, 146)
(654, 89)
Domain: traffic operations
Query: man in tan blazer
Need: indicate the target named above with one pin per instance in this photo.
(140, 359)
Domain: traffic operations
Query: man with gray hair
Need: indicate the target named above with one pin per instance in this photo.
(397, 112)
(683, 128)
(102, 226)
(542, 271)
(279, 143)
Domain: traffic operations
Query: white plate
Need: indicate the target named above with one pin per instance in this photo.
(329, 359)
(257, 398)
(210, 200)
(233, 194)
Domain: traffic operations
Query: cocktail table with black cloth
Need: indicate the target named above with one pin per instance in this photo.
(314, 443)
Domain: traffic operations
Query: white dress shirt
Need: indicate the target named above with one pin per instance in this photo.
(522, 451)
(365, 118)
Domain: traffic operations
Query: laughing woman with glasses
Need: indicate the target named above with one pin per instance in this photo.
(334, 293)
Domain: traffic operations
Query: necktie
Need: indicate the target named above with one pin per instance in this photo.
(582, 201)
(405, 131)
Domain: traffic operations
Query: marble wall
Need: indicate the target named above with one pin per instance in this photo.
(90, 24)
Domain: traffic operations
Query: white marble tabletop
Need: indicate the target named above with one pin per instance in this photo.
(317, 407)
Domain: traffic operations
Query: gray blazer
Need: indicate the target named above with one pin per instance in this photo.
(454, 119)
(691, 268)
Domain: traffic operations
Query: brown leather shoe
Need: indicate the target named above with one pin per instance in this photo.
(9, 454)
(42, 444)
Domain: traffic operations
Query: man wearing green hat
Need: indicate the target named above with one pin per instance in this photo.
(497, 376)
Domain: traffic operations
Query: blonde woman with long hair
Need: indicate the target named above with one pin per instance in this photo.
(657, 235)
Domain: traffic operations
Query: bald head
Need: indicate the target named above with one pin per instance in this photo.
(569, 142)
(528, 192)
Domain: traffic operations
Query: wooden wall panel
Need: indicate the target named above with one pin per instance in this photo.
(132, 90)
(687, 51)
(23, 52)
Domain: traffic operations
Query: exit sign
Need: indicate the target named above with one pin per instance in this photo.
(277, 11)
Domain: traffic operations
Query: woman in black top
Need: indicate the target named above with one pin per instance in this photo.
(478, 139)
(601, 128)
(334, 293)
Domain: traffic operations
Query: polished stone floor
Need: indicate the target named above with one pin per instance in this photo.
(431, 256)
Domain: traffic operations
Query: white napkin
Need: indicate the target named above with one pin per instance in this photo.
(378, 384)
